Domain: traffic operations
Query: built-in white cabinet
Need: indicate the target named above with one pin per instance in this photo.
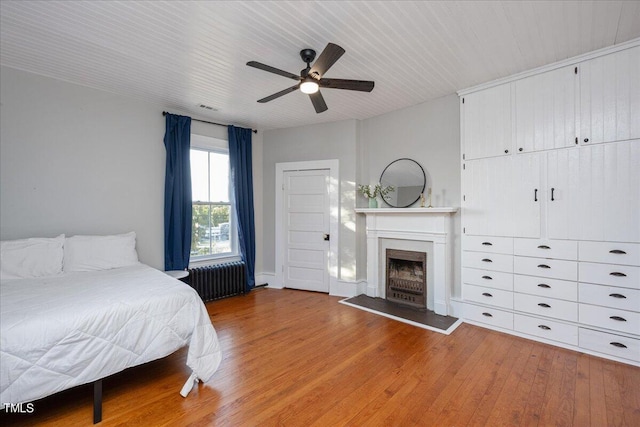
(610, 97)
(528, 195)
(546, 110)
(608, 191)
(487, 123)
(551, 205)
(580, 193)
(489, 196)
(595, 192)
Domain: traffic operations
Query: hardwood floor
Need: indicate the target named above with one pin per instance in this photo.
(301, 359)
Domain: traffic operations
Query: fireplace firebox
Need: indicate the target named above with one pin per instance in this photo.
(406, 277)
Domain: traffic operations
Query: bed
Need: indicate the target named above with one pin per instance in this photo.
(84, 323)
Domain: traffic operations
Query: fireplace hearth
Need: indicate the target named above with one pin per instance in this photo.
(406, 277)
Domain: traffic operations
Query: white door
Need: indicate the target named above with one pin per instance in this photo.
(564, 208)
(609, 192)
(610, 97)
(528, 194)
(488, 196)
(306, 230)
(486, 123)
(545, 111)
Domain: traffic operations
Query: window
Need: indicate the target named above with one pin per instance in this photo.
(212, 231)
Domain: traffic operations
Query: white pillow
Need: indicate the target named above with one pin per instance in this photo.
(35, 257)
(90, 253)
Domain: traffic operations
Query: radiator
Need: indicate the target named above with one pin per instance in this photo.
(218, 281)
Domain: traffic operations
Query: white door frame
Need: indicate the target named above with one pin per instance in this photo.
(333, 166)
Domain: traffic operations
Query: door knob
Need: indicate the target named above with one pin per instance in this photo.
(326, 237)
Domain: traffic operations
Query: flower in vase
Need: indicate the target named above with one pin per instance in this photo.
(373, 191)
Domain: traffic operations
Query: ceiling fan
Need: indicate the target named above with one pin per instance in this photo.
(310, 79)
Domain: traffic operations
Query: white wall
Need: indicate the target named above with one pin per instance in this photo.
(429, 133)
(326, 141)
(76, 160)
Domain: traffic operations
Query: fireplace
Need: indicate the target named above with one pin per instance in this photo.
(406, 277)
(428, 230)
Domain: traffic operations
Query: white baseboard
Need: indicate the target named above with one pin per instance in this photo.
(269, 279)
(343, 288)
(456, 308)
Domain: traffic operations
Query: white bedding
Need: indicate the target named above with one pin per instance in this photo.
(75, 328)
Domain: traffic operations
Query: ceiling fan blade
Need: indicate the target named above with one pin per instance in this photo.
(273, 70)
(361, 85)
(318, 102)
(327, 58)
(279, 94)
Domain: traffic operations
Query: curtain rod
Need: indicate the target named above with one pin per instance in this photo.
(164, 113)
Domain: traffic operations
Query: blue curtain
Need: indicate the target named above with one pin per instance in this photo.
(242, 181)
(177, 193)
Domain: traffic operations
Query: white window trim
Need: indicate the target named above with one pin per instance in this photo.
(207, 143)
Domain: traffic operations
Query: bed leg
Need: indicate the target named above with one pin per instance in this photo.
(186, 388)
(97, 401)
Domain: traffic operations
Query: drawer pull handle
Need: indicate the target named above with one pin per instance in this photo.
(617, 274)
(485, 314)
(618, 344)
(488, 260)
(618, 318)
(487, 244)
(487, 294)
(543, 305)
(618, 296)
(544, 285)
(487, 277)
(543, 266)
(617, 251)
(543, 247)
(545, 327)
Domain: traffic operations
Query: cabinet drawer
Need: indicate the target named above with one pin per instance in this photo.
(608, 296)
(545, 328)
(610, 318)
(488, 261)
(558, 249)
(622, 276)
(553, 268)
(496, 245)
(549, 307)
(543, 286)
(614, 345)
(489, 296)
(610, 252)
(490, 316)
(492, 279)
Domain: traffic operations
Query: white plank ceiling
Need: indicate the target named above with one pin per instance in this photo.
(178, 55)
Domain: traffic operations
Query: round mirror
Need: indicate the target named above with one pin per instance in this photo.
(407, 178)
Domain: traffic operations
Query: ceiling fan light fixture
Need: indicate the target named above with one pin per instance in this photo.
(309, 86)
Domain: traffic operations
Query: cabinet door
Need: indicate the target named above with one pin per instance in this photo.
(528, 194)
(487, 198)
(564, 207)
(609, 192)
(545, 111)
(610, 97)
(596, 192)
(486, 118)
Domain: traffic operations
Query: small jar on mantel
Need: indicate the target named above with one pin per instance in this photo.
(373, 203)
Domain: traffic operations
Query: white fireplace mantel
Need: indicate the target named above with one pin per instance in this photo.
(418, 224)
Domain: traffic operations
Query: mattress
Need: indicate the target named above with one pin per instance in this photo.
(62, 331)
